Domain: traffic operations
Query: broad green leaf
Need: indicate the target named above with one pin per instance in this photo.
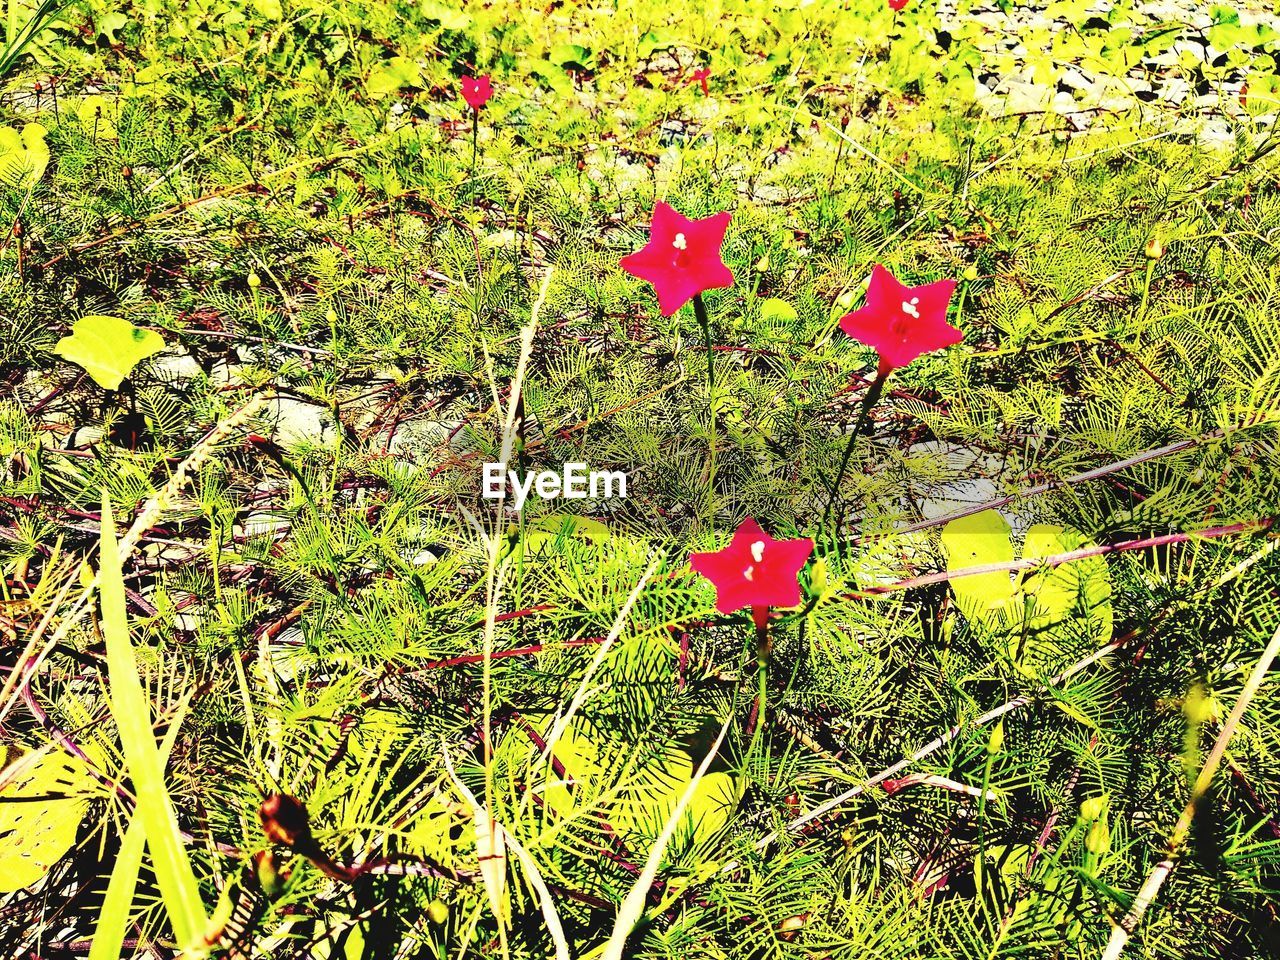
(43, 798)
(1080, 588)
(547, 530)
(131, 710)
(109, 23)
(98, 116)
(553, 76)
(448, 18)
(976, 541)
(650, 792)
(567, 54)
(713, 801)
(577, 751)
(108, 348)
(1054, 589)
(774, 309)
(441, 831)
(23, 156)
(657, 39)
(397, 73)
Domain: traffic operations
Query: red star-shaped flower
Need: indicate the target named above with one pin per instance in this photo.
(902, 322)
(896, 5)
(682, 257)
(477, 91)
(701, 76)
(754, 570)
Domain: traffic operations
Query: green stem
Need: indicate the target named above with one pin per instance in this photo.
(1146, 290)
(980, 860)
(475, 138)
(700, 311)
(868, 401)
(764, 647)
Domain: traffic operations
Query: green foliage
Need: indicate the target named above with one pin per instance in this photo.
(108, 348)
(307, 613)
(43, 798)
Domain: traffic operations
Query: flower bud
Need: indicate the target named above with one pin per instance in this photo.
(1154, 249)
(996, 740)
(971, 273)
(1198, 707)
(437, 912)
(255, 281)
(1094, 807)
(284, 820)
(127, 172)
(269, 873)
(819, 576)
(331, 317)
(1098, 839)
(789, 927)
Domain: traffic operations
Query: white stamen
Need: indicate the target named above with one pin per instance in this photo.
(911, 307)
(757, 550)
(680, 243)
(748, 573)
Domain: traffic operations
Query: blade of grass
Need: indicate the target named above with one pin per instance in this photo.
(131, 710)
(633, 906)
(113, 915)
(1124, 929)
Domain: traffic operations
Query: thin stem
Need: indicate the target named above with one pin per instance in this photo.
(475, 137)
(700, 311)
(1146, 291)
(868, 401)
(764, 646)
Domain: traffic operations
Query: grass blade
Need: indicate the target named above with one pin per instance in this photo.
(132, 712)
(113, 916)
(633, 905)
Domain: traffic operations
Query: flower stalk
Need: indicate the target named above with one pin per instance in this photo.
(869, 400)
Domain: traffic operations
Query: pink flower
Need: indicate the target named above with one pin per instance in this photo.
(682, 257)
(477, 91)
(701, 76)
(902, 322)
(754, 570)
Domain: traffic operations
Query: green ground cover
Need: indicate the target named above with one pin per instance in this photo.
(272, 294)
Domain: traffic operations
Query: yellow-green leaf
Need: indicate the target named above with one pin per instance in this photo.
(24, 155)
(976, 541)
(546, 530)
(43, 798)
(108, 348)
(387, 78)
(98, 116)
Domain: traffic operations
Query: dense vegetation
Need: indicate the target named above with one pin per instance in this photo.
(272, 293)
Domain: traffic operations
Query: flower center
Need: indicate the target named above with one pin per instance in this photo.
(757, 550)
(681, 247)
(749, 573)
(910, 308)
